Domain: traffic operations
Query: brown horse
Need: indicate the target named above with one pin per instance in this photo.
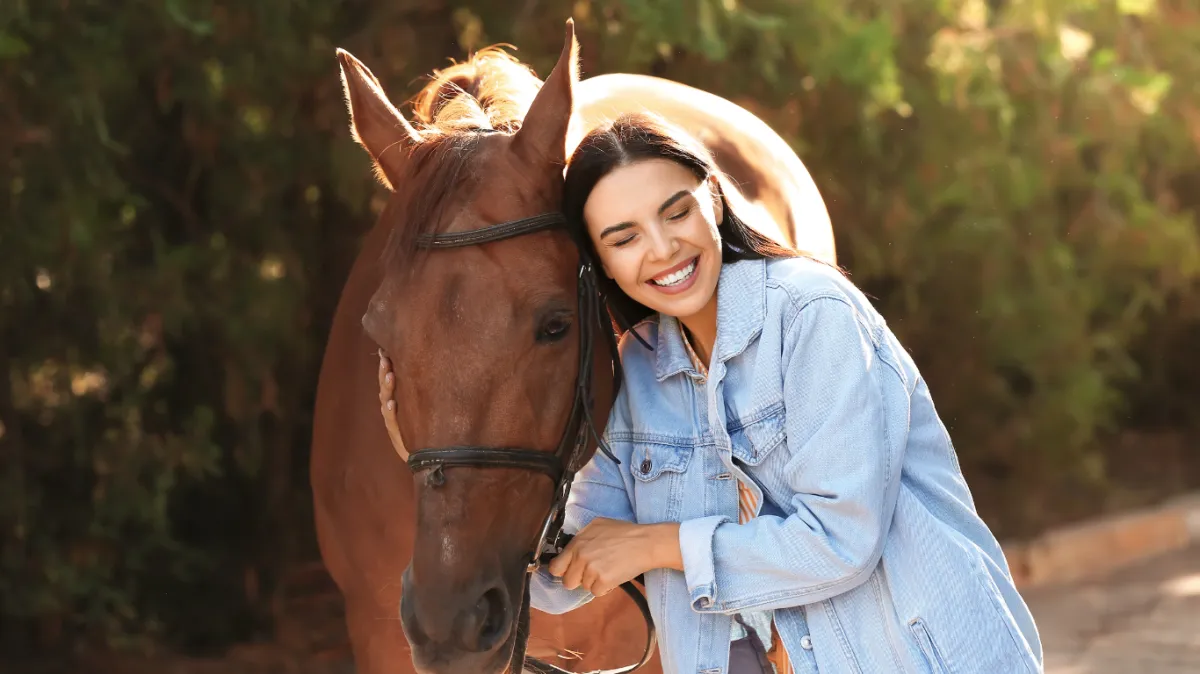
(485, 343)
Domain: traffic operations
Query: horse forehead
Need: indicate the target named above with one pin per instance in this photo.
(508, 179)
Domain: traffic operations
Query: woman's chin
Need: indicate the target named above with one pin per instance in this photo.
(681, 306)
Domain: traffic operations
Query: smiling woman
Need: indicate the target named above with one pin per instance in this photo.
(766, 415)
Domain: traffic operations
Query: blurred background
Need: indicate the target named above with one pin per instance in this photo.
(1014, 181)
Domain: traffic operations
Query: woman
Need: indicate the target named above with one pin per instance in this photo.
(785, 484)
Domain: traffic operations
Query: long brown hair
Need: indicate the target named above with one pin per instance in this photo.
(637, 137)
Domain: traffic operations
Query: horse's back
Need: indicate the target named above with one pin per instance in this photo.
(777, 193)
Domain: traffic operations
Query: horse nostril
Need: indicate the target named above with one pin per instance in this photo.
(497, 616)
(408, 620)
(487, 623)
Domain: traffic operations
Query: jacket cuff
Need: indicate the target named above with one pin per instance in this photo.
(696, 550)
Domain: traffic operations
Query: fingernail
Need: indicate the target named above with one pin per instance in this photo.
(391, 404)
(388, 378)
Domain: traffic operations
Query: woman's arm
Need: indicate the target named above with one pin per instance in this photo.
(847, 426)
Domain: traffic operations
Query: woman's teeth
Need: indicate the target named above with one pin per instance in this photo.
(675, 278)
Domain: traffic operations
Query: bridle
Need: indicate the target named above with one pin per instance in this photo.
(559, 466)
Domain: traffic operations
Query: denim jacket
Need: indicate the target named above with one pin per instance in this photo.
(878, 561)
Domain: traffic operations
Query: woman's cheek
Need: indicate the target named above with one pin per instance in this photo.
(625, 272)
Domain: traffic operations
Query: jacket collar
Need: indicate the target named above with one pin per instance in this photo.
(741, 311)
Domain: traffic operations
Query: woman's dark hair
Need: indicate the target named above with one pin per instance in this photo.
(636, 137)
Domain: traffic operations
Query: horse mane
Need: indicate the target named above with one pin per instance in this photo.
(488, 93)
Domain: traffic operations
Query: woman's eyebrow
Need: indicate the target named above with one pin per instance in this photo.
(619, 227)
(672, 199)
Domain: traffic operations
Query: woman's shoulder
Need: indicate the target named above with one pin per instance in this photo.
(794, 283)
(803, 277)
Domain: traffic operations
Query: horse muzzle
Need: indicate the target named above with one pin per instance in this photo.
(471, 631)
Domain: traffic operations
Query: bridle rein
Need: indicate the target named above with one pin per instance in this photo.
(561, 465)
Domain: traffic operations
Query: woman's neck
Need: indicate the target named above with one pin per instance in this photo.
(702, 330)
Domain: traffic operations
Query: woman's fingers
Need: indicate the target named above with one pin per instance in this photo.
(590, 580)
(559, 565)
(387, 405)
(573, 577)
(387, 380)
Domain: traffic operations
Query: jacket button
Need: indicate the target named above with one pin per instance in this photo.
(646, 466)
(806, 642)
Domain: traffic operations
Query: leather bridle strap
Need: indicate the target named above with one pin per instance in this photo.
(504, 230)
(476, 457)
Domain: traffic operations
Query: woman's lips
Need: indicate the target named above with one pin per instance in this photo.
(692, 268)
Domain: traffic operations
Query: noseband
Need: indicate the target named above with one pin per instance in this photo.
(560, 465)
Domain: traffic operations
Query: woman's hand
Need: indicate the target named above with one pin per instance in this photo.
(387, 406)
(610, 552)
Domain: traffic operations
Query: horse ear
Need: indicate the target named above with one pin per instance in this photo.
(374, 121)
(543, 134)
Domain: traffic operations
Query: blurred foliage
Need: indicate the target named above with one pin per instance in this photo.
(1014, 181)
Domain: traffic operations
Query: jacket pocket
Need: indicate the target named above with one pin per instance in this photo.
(649, 461)
(755, 440)
(928, 648)
(657, 471)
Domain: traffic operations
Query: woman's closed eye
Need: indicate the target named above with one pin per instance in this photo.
(622, 242)
(679, 215)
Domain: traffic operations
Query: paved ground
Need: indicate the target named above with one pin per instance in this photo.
(1142, 620)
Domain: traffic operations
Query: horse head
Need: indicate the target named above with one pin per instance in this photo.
(485, 339)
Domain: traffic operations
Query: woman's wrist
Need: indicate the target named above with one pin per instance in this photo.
(665, 546)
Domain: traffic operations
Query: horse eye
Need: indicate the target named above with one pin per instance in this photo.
(554, 328)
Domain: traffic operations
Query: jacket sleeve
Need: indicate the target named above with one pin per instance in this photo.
(847, 424)
(599, 490)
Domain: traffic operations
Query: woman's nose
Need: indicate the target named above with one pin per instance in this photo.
(662, 244)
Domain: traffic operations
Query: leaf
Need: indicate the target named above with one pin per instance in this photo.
(179, 15)
(12, 47)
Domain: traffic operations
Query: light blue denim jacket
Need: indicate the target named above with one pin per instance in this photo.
(879, 563)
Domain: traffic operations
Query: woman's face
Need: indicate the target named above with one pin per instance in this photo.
(654, 225)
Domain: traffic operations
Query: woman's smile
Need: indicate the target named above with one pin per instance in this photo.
(677, 279)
